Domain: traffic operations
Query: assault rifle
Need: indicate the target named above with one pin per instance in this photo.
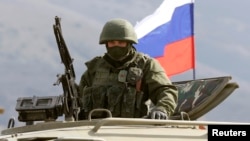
(70, 101)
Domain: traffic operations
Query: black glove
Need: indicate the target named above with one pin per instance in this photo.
(157, 114)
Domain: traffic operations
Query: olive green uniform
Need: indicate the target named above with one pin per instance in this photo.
(98, 87)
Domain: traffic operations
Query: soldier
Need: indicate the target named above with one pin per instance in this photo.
(123, 80)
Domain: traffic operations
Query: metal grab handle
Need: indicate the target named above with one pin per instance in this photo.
(11, 123)
(183, 114)
(138, 121)
(99, 110)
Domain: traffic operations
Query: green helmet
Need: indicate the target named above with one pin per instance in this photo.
(118, 29)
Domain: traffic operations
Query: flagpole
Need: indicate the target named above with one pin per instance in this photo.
(194, 70)
(194, 74)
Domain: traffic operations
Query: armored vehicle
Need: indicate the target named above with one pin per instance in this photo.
(41, 115)
(197, 97)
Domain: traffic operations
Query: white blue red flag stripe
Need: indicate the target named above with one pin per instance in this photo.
(168, 35)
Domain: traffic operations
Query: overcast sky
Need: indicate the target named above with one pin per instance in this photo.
(29, 63)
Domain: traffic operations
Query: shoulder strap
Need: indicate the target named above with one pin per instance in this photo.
(140, 62)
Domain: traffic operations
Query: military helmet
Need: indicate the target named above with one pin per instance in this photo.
(118, 29)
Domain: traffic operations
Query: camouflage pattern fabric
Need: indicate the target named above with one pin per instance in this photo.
(194, 93)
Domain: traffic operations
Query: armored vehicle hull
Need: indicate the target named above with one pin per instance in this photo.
(113, 129)
(196, 98)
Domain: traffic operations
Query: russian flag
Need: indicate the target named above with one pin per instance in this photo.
(168, 36)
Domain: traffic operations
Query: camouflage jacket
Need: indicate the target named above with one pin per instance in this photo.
(154, 86)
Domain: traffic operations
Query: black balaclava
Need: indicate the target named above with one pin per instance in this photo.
(118, 53)
(119, 56)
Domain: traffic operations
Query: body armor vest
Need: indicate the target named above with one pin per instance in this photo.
(115, 89)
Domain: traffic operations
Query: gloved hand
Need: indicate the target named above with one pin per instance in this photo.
(157, 114)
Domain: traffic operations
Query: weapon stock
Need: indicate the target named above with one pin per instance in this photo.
(70, 102)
